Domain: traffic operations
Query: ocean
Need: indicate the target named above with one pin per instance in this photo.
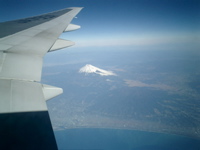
(117, 139)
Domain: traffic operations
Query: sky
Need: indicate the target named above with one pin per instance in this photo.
(145, 24)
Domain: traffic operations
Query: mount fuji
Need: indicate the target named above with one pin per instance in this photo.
(92, 69)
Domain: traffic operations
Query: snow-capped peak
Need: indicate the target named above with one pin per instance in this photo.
(92, 69)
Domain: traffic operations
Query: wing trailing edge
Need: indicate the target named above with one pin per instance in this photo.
(24, 115)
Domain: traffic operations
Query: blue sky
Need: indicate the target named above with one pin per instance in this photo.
(163, 24)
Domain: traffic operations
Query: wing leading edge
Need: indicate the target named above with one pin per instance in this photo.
(23, 44)
(23, 110)
(26, 41)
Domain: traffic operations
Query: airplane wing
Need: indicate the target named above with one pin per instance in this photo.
(23, 109)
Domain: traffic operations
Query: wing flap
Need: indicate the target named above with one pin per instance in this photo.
(20, 96)
(21, 66)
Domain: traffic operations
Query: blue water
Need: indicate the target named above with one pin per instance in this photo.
(116, 139)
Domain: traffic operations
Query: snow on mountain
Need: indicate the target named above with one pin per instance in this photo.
(92, 69)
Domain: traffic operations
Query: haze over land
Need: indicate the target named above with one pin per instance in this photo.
(151, 93)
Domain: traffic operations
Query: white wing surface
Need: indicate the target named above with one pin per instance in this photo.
(23, 43)
(25, 122)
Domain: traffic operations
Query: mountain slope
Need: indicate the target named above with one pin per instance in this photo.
(92, 69)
